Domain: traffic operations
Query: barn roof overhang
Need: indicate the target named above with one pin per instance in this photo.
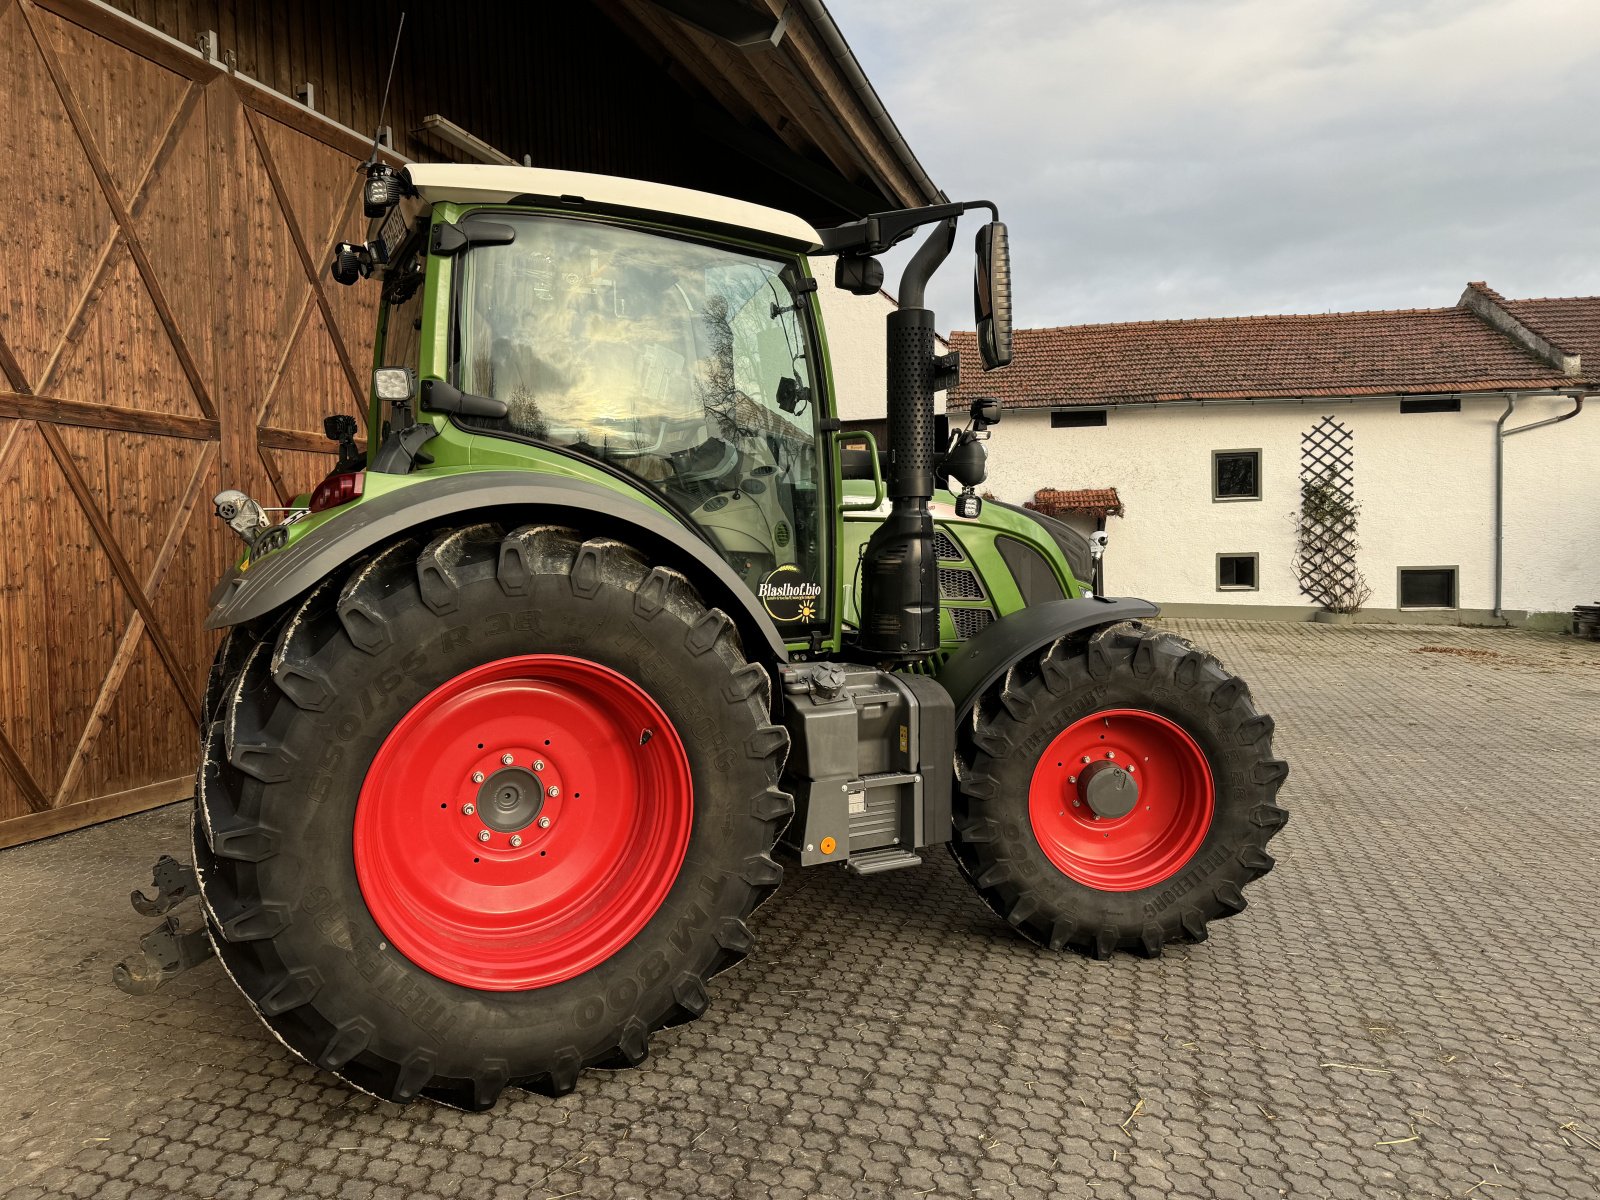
(777, 82)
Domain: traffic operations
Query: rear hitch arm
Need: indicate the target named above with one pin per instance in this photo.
(167, 951)
(174, 883)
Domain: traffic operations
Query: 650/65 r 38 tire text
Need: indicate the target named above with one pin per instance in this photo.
(487, 810)
(1117, 793)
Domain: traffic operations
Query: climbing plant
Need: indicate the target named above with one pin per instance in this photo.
(1326, 522)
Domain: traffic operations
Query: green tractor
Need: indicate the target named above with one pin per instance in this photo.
(518, 713)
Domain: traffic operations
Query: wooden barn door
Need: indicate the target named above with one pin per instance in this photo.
(166, 330)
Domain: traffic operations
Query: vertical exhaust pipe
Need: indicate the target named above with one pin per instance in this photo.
(899, 578)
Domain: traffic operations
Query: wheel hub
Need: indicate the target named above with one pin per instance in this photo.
(510, 799)
(1108, 790)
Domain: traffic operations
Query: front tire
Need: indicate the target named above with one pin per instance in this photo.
(358, 903)
(1117, 794)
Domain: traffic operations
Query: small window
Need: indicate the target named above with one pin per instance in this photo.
(1236, 474)
(1429, 404)
(1077, 418)
(1427, 587)
(1237, 572)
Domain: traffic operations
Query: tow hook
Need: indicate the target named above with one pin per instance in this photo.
(168, 950)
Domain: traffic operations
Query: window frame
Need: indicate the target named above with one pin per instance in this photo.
(1255, 571)
(1102, 413)
(1455, 589)
(1216, 455)
(1422, 405)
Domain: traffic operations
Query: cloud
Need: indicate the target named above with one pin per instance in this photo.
(1166, 158)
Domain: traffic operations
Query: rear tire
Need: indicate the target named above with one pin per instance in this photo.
(1068, 873)
(295, 895)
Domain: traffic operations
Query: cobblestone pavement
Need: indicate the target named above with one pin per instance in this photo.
(1408, 1009)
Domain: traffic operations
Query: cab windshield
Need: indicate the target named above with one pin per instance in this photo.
(683, 364)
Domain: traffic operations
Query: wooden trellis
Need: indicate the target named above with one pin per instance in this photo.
(1326, 543)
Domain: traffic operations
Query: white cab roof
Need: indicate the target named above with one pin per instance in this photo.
(475, 184)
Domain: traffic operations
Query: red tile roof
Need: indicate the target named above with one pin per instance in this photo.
(1571, 322)
(1427, 350)
(1094, 502)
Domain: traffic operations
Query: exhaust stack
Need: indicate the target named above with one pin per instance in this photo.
(900, 589)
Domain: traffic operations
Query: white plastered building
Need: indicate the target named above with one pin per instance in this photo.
(1207, 430)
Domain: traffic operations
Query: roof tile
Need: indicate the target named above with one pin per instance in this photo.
(1055, 502)
(1405, 351)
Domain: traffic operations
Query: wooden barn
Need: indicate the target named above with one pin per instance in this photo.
(176, 172)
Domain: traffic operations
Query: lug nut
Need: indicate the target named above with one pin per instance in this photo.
(516, 840)
(505, 759)
(538, 764)
(552, 791)
(1072, 779)
(468, 809)
(483, 835)
(1086, 760)
(1111, 753)
(544, 822)
(477, 777)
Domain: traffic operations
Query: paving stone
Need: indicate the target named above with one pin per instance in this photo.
(1419, 966)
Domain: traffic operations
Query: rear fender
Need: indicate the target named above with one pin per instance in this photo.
(977, 665)
(511, 497)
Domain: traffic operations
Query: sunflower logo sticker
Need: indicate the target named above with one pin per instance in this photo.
(788, 596)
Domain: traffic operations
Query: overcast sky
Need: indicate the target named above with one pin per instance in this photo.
(1186, 158)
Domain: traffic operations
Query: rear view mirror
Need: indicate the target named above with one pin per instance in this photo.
(991, 295)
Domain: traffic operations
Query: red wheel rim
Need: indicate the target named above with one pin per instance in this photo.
(509, 875)
(1075, 798)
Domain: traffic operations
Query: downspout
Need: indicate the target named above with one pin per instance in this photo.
(1501, 434)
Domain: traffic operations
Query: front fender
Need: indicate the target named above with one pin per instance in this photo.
(484, 495)
(972, 669)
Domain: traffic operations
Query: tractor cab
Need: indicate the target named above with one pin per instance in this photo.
(660, 335)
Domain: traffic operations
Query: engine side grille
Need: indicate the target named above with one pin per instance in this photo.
(958, 583)
(944, 546)
(969, 622)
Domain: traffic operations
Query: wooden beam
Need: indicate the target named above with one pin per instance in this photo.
(145, 41)
(290, 345)
(110, 547)
(80, 311)
(802, 46)
(692, 73)
(119, 211)
(274, 476)
(9, 445)
(105, 416)
(169, 142)
(129, 645)
(306, 262)
(12, 369)
(14, 767)
(715, 67)
(33, 826)
(293, 439)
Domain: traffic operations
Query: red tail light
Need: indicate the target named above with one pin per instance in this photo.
(337, 489)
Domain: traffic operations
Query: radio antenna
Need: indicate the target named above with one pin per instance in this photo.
(383, 109)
